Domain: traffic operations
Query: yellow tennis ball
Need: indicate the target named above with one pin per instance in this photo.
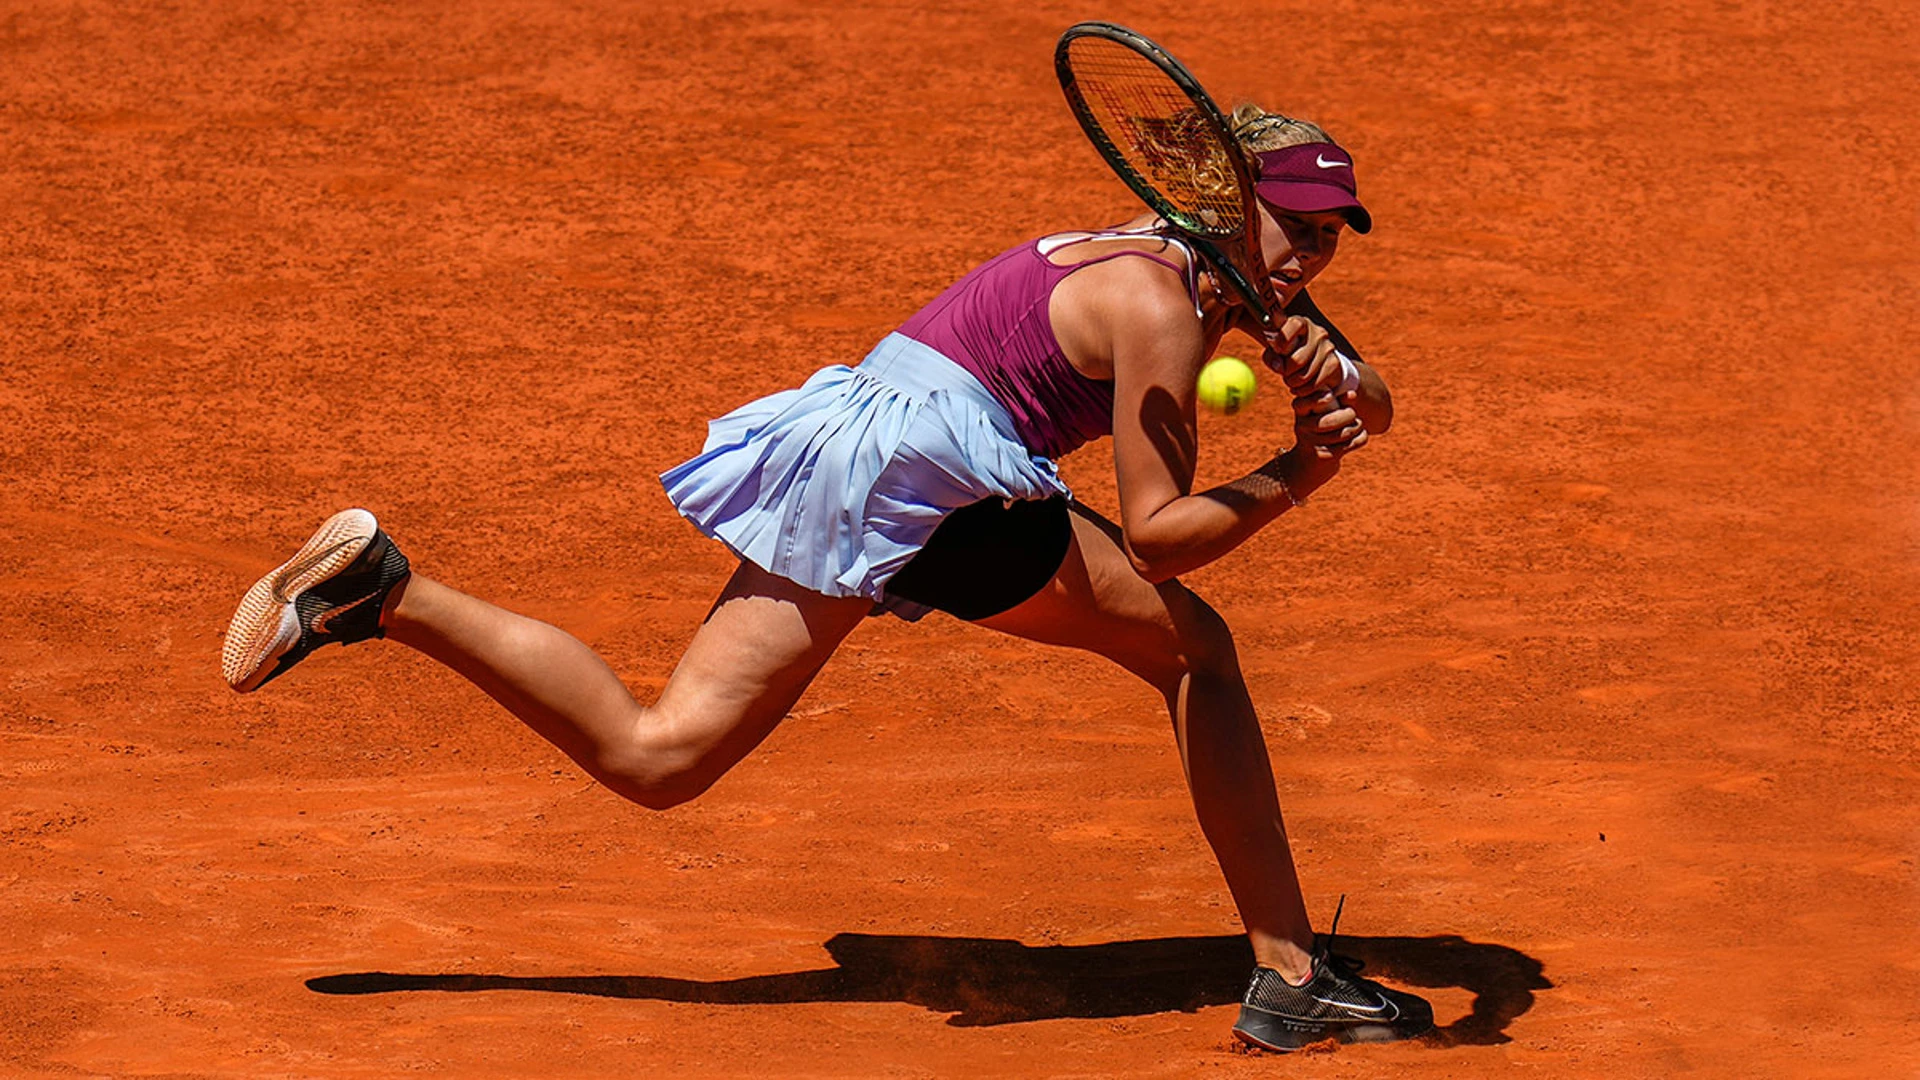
(1226, 385)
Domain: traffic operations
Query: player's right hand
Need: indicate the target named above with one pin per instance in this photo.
(1305, 358)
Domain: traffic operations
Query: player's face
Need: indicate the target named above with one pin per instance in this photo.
(1297, 246)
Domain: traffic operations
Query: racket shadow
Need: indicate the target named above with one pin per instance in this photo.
(987, 981)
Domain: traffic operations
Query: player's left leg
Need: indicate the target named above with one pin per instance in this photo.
(758, 649)
(754, 655)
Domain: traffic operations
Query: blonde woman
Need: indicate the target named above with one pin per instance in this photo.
(924, 479)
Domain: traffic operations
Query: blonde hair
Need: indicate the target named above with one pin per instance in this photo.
(1257, 130)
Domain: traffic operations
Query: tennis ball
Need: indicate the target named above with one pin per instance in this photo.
(1226, 385)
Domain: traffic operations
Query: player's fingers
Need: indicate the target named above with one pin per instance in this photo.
(1313, 403)
(1283, 345)
(1326, 353)
(1341, 448)
(1323, 370)
(1293, 331)
(1315, 364)
(1301, 377)
(1334, 424)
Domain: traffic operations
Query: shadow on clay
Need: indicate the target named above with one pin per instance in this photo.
(984, 981)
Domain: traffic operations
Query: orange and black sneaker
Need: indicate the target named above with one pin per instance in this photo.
(333, 589)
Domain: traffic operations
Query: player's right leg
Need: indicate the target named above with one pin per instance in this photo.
(1301, 992)
(1167, 636)
(759, 648)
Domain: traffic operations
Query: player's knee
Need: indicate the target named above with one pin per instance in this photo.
(656, 775)
(667, 796)
(1197, 643)
(654, 788)
(1206, 641)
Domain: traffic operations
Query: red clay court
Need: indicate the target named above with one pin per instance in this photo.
(1592, 685)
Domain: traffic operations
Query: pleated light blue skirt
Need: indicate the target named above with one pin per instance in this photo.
(835, 485)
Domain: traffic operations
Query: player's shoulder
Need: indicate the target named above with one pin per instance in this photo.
(1142, 282)
(1147, 297)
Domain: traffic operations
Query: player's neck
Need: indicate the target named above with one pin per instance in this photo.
(1216, 307)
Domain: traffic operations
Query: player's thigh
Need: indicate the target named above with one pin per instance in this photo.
(754, 655)
(1099, 603)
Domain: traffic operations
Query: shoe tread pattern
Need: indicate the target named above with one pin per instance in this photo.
(266, 626)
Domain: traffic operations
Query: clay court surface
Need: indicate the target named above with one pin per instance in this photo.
(1593, 685)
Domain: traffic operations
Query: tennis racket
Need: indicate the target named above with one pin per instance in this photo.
(1159, 130)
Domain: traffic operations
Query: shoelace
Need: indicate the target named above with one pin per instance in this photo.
(1345, 965)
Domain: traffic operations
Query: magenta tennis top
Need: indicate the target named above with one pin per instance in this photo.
(993, 322)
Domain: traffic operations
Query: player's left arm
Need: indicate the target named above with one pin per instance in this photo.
(1156, 346)
(1369, 396)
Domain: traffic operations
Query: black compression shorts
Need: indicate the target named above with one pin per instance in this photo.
(987, 557)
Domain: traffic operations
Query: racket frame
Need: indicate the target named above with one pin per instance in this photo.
(1256, 289)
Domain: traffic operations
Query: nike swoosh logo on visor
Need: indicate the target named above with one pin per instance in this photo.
(1320, 160)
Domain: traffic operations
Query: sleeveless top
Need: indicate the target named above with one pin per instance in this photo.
(993, 322)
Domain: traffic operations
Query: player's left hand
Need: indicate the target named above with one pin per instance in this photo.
(1329, 427)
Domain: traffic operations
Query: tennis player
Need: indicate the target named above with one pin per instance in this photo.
(924, 480)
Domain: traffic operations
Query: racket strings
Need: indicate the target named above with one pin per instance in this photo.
(1157, 130)
(1262, 124)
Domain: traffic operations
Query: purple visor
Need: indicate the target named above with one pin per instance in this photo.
(1312, 178)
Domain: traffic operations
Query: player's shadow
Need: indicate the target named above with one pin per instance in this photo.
(990, 981)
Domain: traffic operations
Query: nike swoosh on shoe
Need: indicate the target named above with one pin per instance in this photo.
(324, 620)
(1380, 1011)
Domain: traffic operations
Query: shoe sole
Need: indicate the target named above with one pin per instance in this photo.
(1286, 1036)
(266, 626)
(1291, 1041)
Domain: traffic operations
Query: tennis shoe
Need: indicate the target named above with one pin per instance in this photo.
(333, 589)
(1335, 1004)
